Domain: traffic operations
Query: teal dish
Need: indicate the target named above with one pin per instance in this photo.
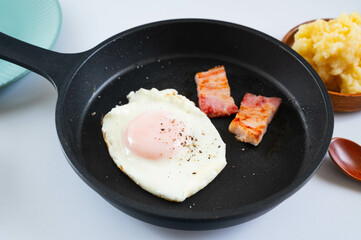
(36, 22)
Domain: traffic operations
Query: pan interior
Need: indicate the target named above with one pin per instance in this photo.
(167, 55)
(252, 173)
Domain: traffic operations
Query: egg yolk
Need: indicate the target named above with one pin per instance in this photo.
(155, 135)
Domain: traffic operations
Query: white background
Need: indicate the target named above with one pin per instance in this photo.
(41, 197)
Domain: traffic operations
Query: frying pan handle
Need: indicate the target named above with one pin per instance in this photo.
(52, 65)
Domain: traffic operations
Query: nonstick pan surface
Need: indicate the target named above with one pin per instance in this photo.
(167, 54)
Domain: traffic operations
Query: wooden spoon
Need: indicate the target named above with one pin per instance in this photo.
(341, 102)
(347, 156)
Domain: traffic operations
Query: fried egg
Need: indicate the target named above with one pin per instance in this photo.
(164, 143)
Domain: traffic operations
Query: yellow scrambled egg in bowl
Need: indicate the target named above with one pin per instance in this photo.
(333, 48)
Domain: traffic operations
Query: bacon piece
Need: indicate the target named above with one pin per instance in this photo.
(256, 112)
(214, 94)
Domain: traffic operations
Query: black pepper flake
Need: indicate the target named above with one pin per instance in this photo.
(194, 173)
(180, 134)
(200, 151)
(219, 146)
(162, 129)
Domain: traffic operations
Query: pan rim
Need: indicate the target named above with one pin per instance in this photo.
(217, 215)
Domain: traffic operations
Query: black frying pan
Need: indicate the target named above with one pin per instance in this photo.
(167, 55)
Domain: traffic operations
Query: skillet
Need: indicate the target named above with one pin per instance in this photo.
(167, 54)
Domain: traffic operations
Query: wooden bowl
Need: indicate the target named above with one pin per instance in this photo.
(341, 102)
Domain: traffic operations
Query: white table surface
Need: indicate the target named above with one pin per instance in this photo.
(41, 197)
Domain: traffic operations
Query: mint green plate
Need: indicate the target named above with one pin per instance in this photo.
(34, 21)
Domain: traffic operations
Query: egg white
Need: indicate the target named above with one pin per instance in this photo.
(182, 175)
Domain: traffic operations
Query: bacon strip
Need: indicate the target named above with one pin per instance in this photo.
(256, 112)
(214, 94)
